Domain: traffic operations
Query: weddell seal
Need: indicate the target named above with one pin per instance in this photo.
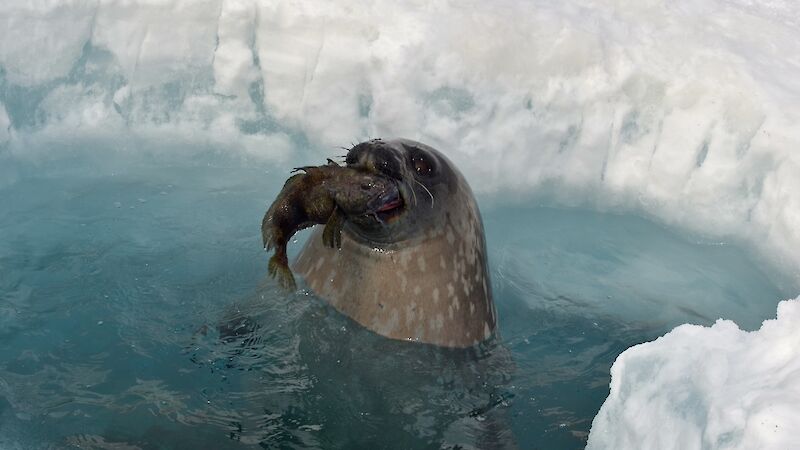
(414, 268)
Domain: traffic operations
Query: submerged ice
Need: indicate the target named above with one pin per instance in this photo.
(684, 112)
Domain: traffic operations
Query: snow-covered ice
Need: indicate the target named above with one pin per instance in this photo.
(707, 388)
(684, 111)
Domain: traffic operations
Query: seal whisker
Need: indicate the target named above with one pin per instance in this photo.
(414, 194)
(426, 190)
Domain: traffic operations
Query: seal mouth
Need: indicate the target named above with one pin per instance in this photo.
(389, 205)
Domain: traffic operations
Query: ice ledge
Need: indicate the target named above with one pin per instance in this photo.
(712, 387)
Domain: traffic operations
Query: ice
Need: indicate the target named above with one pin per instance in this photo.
(42, 40)
(682, 111)
(707, 387)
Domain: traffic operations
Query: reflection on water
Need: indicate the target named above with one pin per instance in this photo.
(134, 314)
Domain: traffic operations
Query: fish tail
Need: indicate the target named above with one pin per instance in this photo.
(278, 268)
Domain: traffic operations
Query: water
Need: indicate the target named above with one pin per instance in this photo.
(117, 270)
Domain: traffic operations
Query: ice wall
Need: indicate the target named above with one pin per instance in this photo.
(681, 110)
(707, 388)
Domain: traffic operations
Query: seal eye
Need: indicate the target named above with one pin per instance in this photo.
(421, 161)
(421, 165)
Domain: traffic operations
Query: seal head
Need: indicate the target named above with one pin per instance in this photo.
(415, 268)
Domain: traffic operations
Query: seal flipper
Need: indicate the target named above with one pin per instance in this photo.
(332, 234)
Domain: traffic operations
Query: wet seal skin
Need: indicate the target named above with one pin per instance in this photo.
(320, 195)
(416, 268)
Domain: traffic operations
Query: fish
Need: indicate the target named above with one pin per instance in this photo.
(327, 194)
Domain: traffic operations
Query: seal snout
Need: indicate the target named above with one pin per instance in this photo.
(388, 204)
(389, 201)
(377, 157)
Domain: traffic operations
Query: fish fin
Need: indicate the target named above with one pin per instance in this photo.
(332, 233)
(303, 168)
(266, 238)
(266, 232)
(332, 163)
(279, 270)
(307, 169)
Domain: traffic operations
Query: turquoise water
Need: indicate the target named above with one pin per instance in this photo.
(116, 271)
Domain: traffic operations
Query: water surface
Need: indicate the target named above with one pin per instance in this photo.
(116, 272)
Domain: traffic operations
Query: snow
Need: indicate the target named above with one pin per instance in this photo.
(712, 387)
(682, 111)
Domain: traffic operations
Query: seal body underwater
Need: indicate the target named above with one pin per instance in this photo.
(416, 269)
